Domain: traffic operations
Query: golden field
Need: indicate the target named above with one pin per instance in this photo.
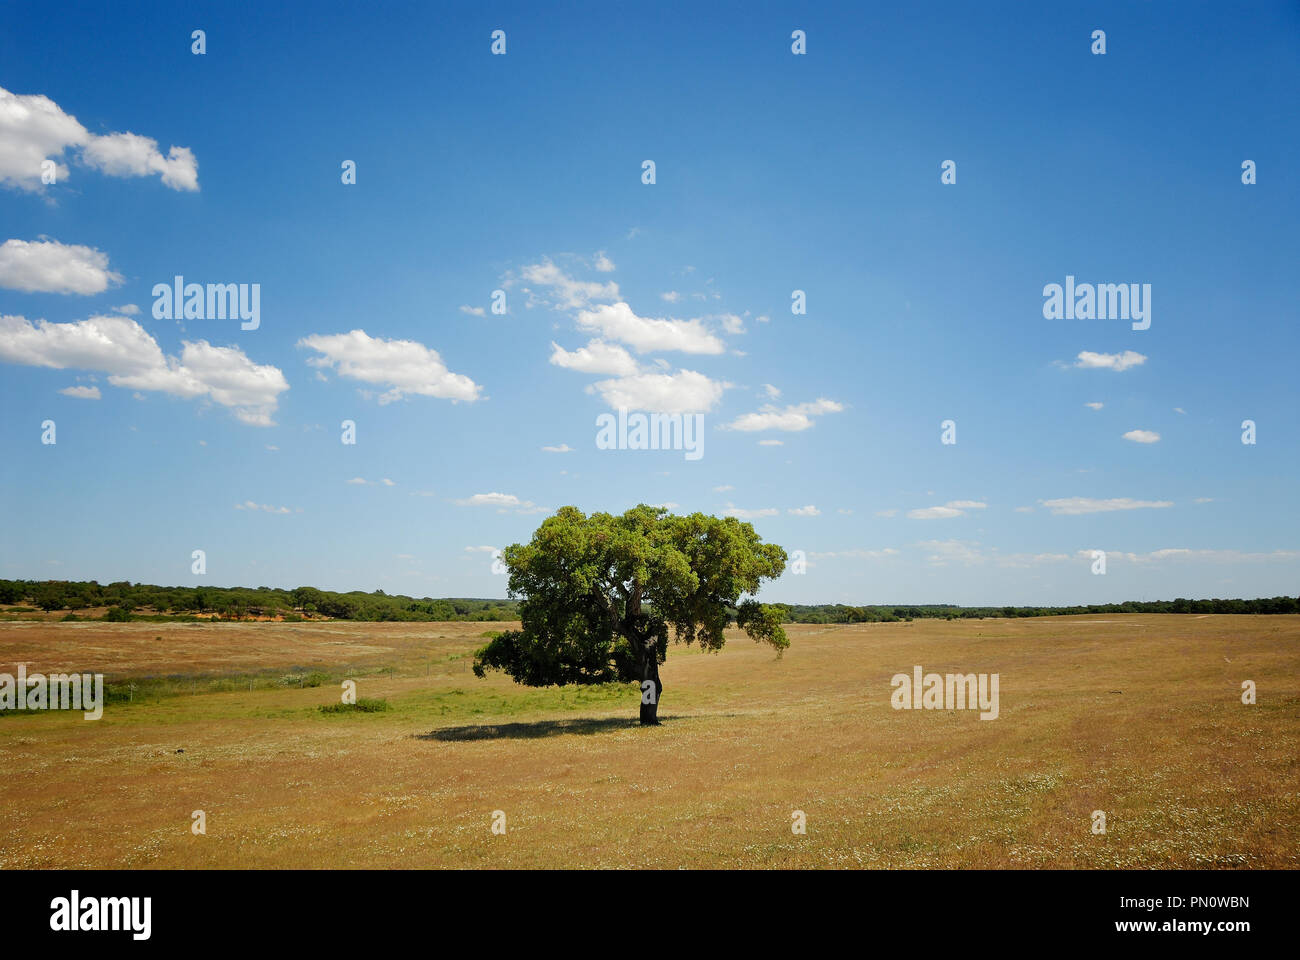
(1139, 716)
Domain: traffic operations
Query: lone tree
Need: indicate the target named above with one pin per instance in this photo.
(600, 592)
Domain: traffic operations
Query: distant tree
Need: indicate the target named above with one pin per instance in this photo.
(600, 592)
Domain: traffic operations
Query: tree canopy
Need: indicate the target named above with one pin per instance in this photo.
(599, 594)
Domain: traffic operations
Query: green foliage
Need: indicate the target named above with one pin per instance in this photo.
(363, 705)
(600, 593)
(840, 613)
(118, 615)
(181, 603)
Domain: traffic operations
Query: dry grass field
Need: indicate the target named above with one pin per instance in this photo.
(1136, 715)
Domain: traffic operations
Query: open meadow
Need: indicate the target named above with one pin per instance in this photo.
(1139, 716)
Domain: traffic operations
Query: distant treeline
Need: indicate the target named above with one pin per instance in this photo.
(839, 613)
(129, 601)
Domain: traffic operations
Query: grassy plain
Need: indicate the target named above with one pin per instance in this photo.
(1139, 716)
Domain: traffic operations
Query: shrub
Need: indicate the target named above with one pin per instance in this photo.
(363, 705)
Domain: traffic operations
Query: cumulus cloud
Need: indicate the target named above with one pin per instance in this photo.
(121, 348)
(82, 393)
(264, 507)
(47, 266)
(561, 290)
(617, 321)
(1071, 506)
(1142, 436)
(793, 418)
(734, 511)
(672, 296)
(603, 263)
(808, 511)
(1109, 361)
(473, 311)
(562, 448)
(771, 443)
(731, 323)
(1094, 405)
(953, 508)
(596, 357)
(504, 502)
(33, 128)
(683, 392)
(404, 366)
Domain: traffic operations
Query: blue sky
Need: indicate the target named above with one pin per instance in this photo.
(774, 172)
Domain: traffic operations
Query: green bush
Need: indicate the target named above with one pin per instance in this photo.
(363, 705)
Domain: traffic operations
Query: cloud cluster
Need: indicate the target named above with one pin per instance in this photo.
(132, 359)
(793, 418)
(404, 366)
(33, 128)
(953, 508)
(47, 266)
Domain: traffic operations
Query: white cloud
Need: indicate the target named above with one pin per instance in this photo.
(672, 296)
(264, 507)
(1095, 405)
(723, 488)
(596, 357)
(562, 448)
(405, 366)
(483, 549)
(33, 128)
(771, 391)
(1109, 361)
(83, 393)
(362, 481)
(731, 323)
(127, 310)
(1183, 553)
(793, 418)
(1142, 436)
(564, 291)
(771, 443)
(808, 511)
(133, 360)
(473, 311)
(683, 392)
(603, 263)
(47, 266)
(734, 511)
(943, 552)
(617, 321)
(1073, 506)
(953, 508)
(1203, 500)
(1179, 410)
(503, 502)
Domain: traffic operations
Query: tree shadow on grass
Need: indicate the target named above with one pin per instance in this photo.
(535, 730)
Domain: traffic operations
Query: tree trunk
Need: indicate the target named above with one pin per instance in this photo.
(651, 687)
